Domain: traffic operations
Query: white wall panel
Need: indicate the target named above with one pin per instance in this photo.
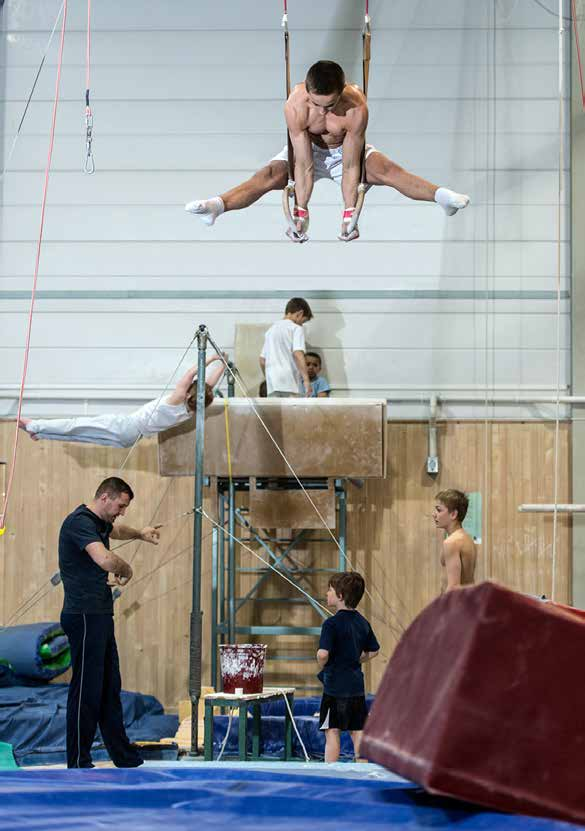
(394, 367)
(406, 47)
(171, 188)
(388, 329)
(187, 100)
(208, 83)
(267, 306)
(320, 262)
(234, 151)
(420, 116)
(171, 223)
(149, 15)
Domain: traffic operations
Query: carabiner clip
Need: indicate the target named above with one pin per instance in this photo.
(89, 166)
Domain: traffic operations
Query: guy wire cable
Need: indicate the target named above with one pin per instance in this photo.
(307, 495)
(6, 167)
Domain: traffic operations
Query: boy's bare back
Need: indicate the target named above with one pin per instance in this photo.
(458, 560)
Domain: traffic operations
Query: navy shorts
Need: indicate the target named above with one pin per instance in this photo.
(343, 713)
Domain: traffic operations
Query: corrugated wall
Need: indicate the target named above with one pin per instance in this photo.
(187, 100)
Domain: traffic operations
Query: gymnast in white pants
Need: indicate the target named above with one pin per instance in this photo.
(119, 430)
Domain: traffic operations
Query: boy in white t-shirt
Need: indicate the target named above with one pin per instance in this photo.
(283, 355)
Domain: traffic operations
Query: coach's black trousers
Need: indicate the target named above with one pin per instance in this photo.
(94, 692)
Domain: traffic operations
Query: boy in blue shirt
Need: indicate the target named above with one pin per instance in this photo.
(320, 385)
(346, 642)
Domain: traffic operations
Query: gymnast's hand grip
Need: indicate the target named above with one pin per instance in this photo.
(297, 225)
(349, 222)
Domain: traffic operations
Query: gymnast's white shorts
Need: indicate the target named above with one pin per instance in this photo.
(327, 164)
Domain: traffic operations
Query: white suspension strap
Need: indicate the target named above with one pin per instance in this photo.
(490, 164)
(351, 215)
(558, 301)
(288, 194)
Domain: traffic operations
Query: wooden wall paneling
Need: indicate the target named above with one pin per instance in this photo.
(3, 483)
(391, 539)
(522, 543)
(394, 543)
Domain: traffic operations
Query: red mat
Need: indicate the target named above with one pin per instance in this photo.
(484, 700)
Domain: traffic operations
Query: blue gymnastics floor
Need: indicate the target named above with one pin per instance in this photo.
(242, 797)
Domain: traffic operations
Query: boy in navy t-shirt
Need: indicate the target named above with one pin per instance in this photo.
(346, 642)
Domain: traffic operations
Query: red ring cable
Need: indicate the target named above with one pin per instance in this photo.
(88, 56)
(36, 272)
(574, 10)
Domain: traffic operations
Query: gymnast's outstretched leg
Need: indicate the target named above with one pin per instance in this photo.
(380, 170)
(124, 429)
(273, 176)
(113, 430)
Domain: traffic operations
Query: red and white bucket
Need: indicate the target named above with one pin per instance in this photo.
(242, 667)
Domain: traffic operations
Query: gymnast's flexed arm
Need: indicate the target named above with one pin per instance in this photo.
(353, 149)
(212, 377)
(353, 145)
(124, 429)
(297, 127)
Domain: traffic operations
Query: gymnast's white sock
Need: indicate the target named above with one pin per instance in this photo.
(207, 209)
(450, 201)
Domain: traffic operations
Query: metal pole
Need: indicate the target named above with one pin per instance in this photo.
(551, 508)
(231, 563)
(222, 569)
(413, 397)
(231, 545)
(196, 611)
(342, 535)
(214, 576)
(231, 384)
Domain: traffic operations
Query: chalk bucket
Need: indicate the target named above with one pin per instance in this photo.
(242, 667)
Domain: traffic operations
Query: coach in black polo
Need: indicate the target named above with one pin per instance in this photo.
(88, 621)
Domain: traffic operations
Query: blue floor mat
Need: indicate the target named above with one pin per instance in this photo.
(211, 799)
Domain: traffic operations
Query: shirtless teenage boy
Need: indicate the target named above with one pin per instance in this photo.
(459, 555)
(327, 120)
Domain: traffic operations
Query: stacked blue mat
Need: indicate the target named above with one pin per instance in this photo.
(272, 731)
(32, 711)
(33, 653)
(32, 720)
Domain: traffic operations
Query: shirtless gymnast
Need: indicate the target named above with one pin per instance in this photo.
(458, 557)
(327, 120)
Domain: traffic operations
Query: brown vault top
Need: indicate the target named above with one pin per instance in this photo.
(337, 437)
